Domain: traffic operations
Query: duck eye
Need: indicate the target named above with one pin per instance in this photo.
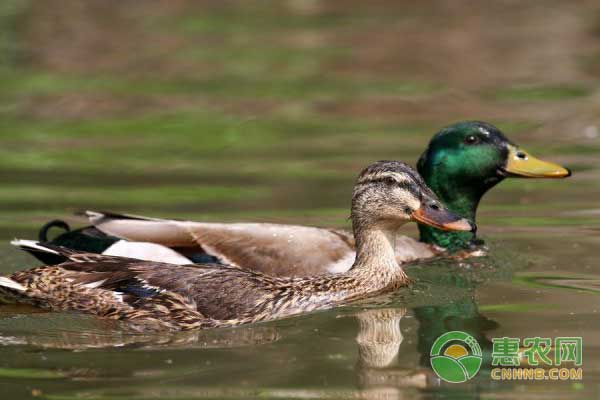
(471, 139)
(390, 181)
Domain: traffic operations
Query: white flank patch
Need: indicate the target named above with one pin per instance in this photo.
(343, 264)
(146, 251)
(118, 296)
(9, 283)
(32, 244)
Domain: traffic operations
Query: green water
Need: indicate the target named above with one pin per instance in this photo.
(266, 111)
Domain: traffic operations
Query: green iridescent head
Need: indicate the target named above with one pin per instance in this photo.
(465, 160)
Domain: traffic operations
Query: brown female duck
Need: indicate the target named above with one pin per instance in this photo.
(153, 295)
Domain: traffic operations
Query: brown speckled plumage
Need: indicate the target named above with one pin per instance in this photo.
(154, 295)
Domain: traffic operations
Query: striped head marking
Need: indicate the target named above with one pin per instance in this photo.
(390, 193)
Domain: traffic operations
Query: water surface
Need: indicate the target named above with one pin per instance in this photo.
(266, 111)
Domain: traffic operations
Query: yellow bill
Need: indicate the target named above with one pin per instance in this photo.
(522, 164)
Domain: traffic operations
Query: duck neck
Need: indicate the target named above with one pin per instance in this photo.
(463, 200)
(375, 257)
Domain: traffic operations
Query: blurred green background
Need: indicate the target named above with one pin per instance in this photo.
(267, 110)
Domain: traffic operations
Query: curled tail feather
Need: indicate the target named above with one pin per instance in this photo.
(56, 223)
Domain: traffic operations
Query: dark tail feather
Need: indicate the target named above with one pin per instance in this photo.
(57, 223)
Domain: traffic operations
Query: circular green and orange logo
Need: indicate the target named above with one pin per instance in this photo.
(456, 357)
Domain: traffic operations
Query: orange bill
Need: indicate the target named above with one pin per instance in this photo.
(442, 219)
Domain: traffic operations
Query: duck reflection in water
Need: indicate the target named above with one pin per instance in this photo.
(99, 334)
(380, 337)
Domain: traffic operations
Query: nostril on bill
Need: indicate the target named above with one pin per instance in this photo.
(434, 206)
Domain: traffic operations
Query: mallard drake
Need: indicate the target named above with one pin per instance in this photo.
(461, 163)
(154, 295)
